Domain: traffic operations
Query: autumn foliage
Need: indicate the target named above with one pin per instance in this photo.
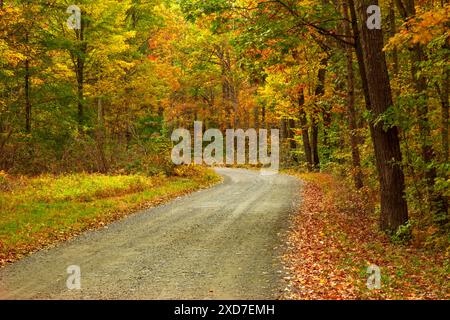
(370, 107)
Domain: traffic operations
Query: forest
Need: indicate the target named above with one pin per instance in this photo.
(358, 95)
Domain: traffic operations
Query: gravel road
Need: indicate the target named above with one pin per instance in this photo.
(219, 243)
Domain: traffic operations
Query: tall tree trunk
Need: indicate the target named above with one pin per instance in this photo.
(80, 89)
(283, 131)
(443, 218)
(327, 120)
(79, 70)
(319, 91)
(315, 144)
(103, 163)
(27, 96)
(263, 117)
(326, 110)
(392, 32)
(445, 113)
(352, 115)
(291, 134)
(235, 92)
(305, 131)
(437, 201)
(361, 64)
(360, 55)
(394, 210)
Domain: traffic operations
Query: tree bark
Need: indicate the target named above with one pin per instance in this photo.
(103, 163)
(327, 120)
(361, 64)
(392, 32)
(284, 130)
(351, 112)
(437, 201)
(319, 91)
(80, 89)
(445, 113)
(27, 96)
(27, 88)
(305, 131)
(263, 117)
(79, 70)
(291, 134)
(444, 95)
(315, 144)
(394, 210)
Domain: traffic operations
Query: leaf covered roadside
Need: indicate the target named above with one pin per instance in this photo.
(334, 238)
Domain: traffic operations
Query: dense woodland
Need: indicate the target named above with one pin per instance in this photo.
(369, 105)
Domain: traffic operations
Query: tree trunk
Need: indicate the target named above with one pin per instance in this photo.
(305, 131)
(79, 70)
(319, 91)
(443, 218)
(352, 116)
(80, 94)
(27, 87)
(444, 103)
(327, 119)
(445, 113)
(326, 111)
(361, 64)
(359, 54)
(315, 144)
(437, 201)
(263, 117)
(392, 32)
(291, 134)
(235, 92)
(27, 96)
(103, 163)
(283, 131)
(394, 210)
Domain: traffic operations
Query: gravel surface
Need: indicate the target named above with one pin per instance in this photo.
(219, 243)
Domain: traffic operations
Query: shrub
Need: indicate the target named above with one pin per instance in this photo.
(403, 235)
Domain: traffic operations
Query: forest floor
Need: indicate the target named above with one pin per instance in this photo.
(333, 241)
(224, 242)
(37, 212)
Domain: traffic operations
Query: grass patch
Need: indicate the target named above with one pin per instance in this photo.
(37, 212)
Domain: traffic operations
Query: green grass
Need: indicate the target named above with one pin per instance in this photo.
(35, 212)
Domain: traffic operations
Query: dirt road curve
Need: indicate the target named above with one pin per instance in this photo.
(220, 243)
